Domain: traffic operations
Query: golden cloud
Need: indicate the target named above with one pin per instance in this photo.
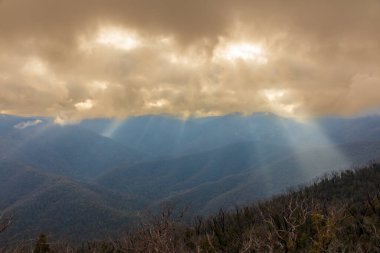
(74, 59)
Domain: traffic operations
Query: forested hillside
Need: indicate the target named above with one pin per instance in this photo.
(337, 213)
(63, 208)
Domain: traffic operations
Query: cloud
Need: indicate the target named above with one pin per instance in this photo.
(25, 124)
(78, 59)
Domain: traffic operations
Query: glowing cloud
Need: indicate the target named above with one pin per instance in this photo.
(157, 104)
(117, 38)
(84, 58)
(281, 102)
(85, 105)
(274, 95)
(242, 51)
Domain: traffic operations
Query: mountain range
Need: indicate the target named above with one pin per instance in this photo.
(111, 171)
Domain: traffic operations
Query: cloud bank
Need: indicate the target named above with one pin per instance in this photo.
(79, 59)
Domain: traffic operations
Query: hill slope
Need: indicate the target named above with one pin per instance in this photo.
(338, 213)
(235, 174)
(60, 207)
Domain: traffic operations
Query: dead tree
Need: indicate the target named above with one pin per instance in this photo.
(5, 222)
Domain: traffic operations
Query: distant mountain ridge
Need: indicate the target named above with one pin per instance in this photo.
(112, 170)
(164, 136)
(66, 150)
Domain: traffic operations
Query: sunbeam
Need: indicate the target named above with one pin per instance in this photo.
(112, 128)
(314, 153)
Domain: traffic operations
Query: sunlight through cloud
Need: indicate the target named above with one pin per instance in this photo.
(280, 102)
(85, 105)
(242, 51)
(157, 104)
(117, 38)
(273, 95)
(50, 54)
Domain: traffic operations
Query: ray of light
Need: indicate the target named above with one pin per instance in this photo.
(144, 130)
(112, 128)
(294, 152)
(314, 153)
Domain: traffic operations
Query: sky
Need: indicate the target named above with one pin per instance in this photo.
(78, 59)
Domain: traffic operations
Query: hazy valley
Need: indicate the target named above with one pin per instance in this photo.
(98, 178)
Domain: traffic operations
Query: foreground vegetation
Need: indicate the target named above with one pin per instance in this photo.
(337, 213)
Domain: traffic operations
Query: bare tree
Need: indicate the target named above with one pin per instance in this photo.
(5, 222)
